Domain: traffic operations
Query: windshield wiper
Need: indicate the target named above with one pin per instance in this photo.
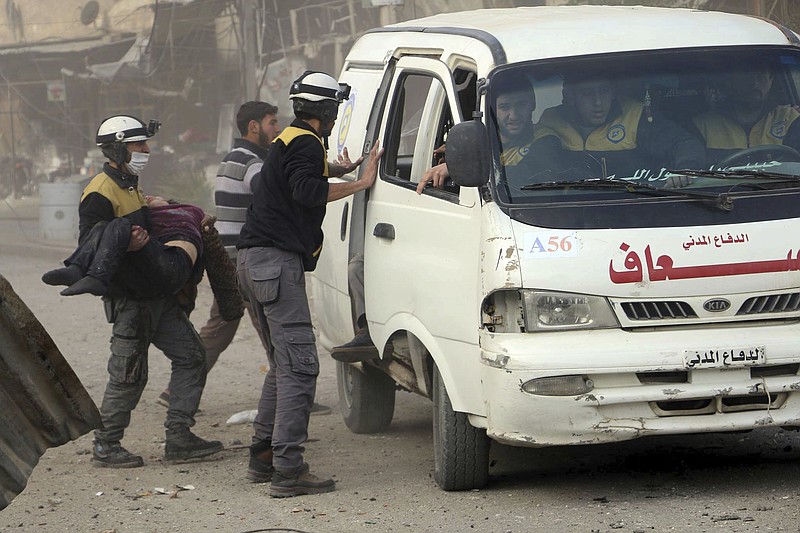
(718, 200)
(727, 174)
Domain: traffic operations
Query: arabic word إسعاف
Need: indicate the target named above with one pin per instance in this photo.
(663, 267)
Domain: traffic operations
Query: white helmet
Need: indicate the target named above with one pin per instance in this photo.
(125, 129)
(318, 95)
(318, 86)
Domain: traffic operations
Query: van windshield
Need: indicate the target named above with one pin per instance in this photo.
(688, 122)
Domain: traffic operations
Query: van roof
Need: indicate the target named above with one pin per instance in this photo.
(558, 31)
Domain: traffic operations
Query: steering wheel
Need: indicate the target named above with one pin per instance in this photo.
(764, 152)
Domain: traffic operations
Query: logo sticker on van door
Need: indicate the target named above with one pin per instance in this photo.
(345, 117)
(547, 244)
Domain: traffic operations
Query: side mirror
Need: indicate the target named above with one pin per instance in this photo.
(467, 154)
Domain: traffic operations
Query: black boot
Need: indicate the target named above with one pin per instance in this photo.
(259, 469)
(63, 276)
(288, 485)
(360, 349)
(112, 455)
(182, 444)
(87, 284)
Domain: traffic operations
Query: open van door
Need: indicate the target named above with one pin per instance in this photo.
(344, 221)
(419, 249)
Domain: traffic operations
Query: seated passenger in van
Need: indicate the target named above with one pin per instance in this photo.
(746, 118)
(514, 107)
(621, 138)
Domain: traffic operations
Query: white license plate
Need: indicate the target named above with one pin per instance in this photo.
(724, 357)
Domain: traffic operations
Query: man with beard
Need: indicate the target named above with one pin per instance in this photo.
(746, 118)
(524, 155)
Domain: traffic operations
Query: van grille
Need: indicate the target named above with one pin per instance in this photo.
(652, 378)
(777, 303)
(774, 370)
(721, 404)
(657, 310)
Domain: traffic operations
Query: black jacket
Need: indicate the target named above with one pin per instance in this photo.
(290, 196)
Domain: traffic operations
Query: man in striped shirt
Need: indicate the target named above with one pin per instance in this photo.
(258, 126)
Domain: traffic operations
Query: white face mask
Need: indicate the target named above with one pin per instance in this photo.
(137, 163)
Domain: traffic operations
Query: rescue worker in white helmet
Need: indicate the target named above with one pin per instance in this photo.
(282, 238)
(139, 315)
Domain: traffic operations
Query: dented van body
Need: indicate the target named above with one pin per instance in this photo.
(593, 302)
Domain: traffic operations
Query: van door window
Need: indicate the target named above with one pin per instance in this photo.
(418, 123)
(404, 127)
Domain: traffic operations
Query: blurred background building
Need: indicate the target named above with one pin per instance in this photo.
(67, 64)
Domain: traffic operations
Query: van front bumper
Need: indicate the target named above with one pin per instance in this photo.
(641, 385)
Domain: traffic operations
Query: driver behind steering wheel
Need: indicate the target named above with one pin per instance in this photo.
(745, 116)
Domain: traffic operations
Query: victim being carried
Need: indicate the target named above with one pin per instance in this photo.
(165, 265)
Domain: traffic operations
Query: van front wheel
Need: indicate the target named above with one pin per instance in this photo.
(366, 398)
(461, 451)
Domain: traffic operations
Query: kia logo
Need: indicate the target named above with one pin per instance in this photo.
(717, 305)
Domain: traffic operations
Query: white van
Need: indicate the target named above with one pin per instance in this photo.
(596, 295)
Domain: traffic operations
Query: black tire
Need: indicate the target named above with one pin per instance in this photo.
(461, 451)
(366, 399)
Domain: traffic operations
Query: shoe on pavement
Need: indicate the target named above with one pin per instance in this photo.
(260, 469)
(319, 409)
(299, 484)
(182, 444)
(113, 455)
(358, 350)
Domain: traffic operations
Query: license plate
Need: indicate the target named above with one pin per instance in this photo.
(724, 357)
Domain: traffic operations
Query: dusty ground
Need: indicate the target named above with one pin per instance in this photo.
(743, 482)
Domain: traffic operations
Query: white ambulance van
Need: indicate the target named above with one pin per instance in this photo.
(640, 276)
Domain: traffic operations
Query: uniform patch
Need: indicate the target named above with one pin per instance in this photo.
(778, 130)
(616, 133)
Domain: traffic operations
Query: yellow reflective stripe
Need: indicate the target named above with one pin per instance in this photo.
(292, 132)
(722, 132)
(622, 129)
(124, 201)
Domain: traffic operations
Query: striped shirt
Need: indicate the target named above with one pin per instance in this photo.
(233, 191)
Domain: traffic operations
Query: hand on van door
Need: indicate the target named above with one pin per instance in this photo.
(370, 171)
(343, 165)
(437, 175)
(337, 191)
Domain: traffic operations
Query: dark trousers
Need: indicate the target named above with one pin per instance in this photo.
(274, 282)
(137, 324)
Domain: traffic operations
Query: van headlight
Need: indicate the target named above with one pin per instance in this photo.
(558, 311)
(559, 386)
